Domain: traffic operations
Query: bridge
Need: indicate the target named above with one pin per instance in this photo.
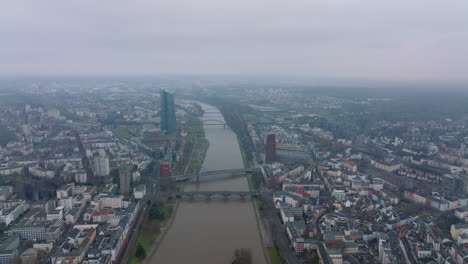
(213, 174)
(210, 122)
(216, 194)
(213, 122)
(212, 112)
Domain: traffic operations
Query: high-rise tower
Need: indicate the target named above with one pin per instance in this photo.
(270, 148)
(168, 117)
(125, 178)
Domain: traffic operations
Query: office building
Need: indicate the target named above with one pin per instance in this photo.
(270, 155)
(29, 231)
(168, 116)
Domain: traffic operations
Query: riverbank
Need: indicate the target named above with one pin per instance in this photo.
(261, 228)
(195, 233)
(160, 237)
(196, 147)
(196, 154)
(150, 240)
(235, 120)
(254, 185)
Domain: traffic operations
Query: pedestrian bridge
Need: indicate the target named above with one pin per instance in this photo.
(216, 194)
(215, 174)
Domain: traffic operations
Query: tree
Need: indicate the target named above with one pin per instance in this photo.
(156, 214)
(140, 252)
(446, 220)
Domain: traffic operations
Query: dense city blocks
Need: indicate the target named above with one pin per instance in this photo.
(97, 176)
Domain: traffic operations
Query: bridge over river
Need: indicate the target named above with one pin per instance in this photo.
(216, 194)
(214, 174)
(210, 122)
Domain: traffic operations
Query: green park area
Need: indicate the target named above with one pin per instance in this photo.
(250, 117)
(126, 131)
(194, 126)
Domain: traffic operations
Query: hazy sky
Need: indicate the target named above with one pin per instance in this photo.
(375, 39)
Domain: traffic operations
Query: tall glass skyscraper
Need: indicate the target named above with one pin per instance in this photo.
(168, 117)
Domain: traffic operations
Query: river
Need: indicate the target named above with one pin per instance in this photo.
(208, 231)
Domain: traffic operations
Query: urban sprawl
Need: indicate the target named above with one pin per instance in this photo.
(89, 169)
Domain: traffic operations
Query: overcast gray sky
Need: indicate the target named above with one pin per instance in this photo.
(359, 39)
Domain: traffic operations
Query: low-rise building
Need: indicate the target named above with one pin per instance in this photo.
(139, 191)
(9, 215)
(286, 214)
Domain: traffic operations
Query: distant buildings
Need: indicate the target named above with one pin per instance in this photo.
(168, 117)
(270, 148)
(387, 164)
(53, 113)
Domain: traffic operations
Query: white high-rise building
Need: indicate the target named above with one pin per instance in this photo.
(101, 166)
(27, 130)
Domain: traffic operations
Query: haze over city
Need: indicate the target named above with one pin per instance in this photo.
(345, 40)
